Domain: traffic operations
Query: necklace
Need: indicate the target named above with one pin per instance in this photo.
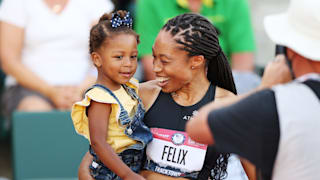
(56, 5)
(174, 94)
(56, 8)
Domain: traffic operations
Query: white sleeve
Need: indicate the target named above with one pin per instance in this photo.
(99, 7)
(13, 12)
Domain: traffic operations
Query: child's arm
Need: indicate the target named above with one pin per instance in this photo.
(98, 114)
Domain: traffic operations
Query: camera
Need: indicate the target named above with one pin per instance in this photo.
(282, 50)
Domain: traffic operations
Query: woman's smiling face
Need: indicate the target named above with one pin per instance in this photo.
(170, 63)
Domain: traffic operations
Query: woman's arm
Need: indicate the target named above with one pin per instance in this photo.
(98, 114)
(148, 92)
(11, 45)
(83, 171)
(249, 168)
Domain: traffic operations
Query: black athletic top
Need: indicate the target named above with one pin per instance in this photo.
(167, 114)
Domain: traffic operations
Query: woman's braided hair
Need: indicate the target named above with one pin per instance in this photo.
(104, 29)
(199, 37)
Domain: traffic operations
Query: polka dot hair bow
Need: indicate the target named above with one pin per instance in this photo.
(117, 21)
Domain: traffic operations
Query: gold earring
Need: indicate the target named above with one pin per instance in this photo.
(192, 67)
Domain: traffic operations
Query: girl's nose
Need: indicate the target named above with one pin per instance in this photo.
(127, 62)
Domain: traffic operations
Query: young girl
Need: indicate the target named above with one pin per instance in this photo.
(110, 116)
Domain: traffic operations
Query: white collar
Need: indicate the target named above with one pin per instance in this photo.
(309, 76)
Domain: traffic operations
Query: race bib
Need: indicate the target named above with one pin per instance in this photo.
(176, 149)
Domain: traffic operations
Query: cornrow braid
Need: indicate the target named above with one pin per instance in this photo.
(199, 37)
(103, 30)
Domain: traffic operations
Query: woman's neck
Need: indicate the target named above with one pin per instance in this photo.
(192, 92)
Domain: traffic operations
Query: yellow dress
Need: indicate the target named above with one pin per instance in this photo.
(116, 137)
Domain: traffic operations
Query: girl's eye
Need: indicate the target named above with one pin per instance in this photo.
(119, 57)
(133, 57)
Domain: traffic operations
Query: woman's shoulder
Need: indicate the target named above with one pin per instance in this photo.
(149, 86)
(223, 93)
(148, 92)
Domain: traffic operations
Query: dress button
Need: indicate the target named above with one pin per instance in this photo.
(129, 131)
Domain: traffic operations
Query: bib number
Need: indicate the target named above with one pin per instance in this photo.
(175, 149)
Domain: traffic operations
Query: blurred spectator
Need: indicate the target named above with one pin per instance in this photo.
(124, 5)
(245, 81)
(231, 17)
(44, 52)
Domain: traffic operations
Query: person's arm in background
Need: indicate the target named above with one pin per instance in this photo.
(147, 25)
(240, 36)
(11, 44)
(242, 62)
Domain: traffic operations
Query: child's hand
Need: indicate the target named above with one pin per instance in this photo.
(133, 176)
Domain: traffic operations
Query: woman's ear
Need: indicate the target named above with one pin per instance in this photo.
(197, 62)
(96, 58)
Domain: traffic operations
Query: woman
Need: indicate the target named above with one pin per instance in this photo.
(43, 49)
(191, 71)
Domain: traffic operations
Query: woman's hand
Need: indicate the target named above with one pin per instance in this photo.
(77, 94)
(133, 176)
(83, 171)
(63, 97)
